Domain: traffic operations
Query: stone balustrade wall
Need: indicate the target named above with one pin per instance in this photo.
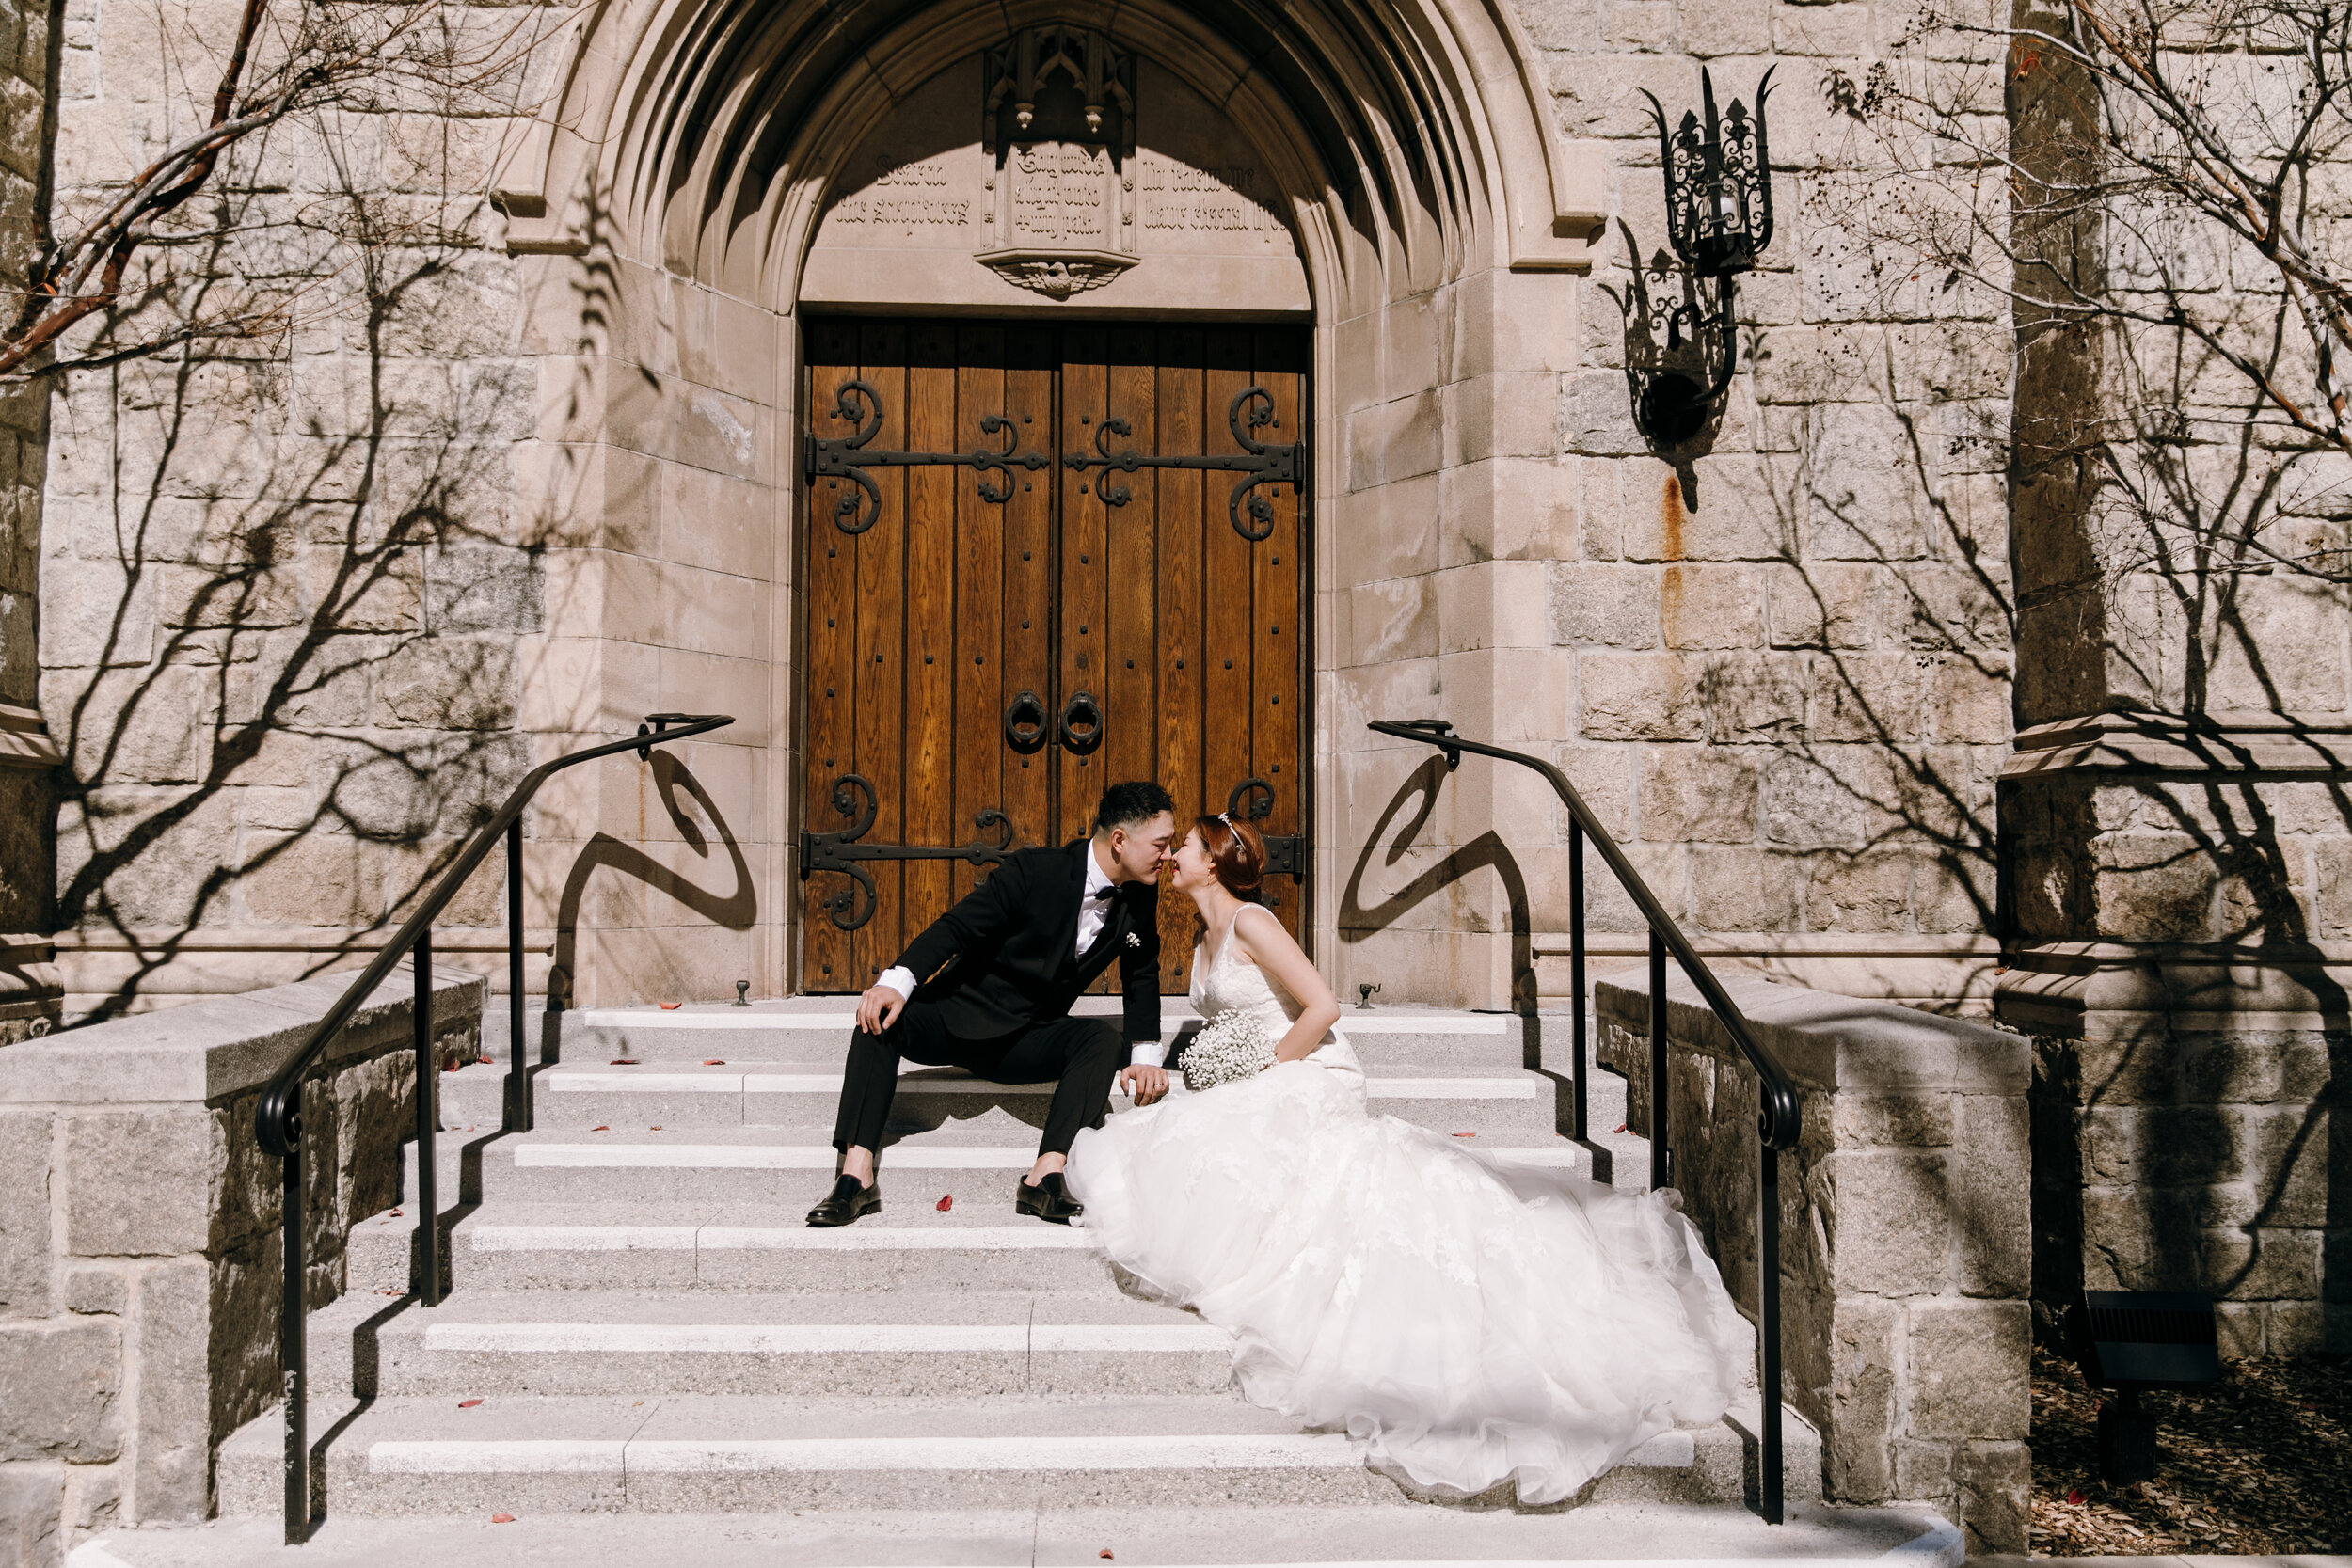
(1905, 1249)
(139, 1243)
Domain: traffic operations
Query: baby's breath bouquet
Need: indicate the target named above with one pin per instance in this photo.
(1229, 1046)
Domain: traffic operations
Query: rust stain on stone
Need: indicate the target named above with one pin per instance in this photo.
(1670, 546)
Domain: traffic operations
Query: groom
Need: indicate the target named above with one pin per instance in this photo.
(987, 987)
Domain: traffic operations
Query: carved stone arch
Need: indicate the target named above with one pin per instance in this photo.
(695, 134)
(663, 208)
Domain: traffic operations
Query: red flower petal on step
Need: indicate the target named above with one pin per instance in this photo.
(467, 1404)
(395, 1213)
(715, 1061)
(670, 1007)
(1621, 1127)
(1104, 1552)
(624, 1061)
(2076, 1497)
(652, 1128)
(501, 1518)
(600, 1130)
(483, 1060)
(946, 1202)
(1466, 1134)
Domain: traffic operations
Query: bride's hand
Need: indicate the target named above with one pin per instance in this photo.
(1146, 1084)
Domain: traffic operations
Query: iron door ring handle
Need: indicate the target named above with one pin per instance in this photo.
(1027, 726)
(1081, 723)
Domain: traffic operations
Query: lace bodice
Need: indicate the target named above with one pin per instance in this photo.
(1223, 982)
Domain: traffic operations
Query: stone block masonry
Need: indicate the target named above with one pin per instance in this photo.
(139, 1236)
(1905, 1236)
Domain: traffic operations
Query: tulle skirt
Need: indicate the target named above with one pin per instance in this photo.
(1470, 1322)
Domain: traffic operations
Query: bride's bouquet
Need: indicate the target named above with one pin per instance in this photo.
(1229, 1046)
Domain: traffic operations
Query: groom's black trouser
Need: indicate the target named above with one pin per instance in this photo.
(1079, 1056)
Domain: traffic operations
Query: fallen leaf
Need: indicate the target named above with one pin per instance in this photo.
(501, 1518)
(715, 1061)
(670, 1007)
(467, 1404)
(946, 1202)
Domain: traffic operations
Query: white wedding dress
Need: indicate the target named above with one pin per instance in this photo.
(1470, 1322)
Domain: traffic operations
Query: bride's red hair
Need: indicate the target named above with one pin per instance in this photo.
(1236, 853)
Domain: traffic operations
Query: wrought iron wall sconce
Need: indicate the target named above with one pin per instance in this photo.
(1682, 332)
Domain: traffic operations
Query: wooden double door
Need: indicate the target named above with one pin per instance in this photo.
(1041, 559)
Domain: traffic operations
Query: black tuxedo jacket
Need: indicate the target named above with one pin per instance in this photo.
(1004, 957)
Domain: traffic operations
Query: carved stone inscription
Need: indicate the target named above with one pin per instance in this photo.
(903, 198)
(1061, 196)
(1181, 199)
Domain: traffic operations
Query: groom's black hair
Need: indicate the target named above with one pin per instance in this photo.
(1133, 801)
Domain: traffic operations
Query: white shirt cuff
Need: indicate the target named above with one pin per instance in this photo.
(1147, 1054)
(899, 979)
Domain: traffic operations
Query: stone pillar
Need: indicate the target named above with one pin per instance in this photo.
(30, 996)
(2175, 837)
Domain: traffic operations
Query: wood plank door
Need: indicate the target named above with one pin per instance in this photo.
(987, 646)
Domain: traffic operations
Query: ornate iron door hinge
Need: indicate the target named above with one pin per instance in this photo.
(1258, 463)
(841, 457)
(840, 852)
(1285, 853)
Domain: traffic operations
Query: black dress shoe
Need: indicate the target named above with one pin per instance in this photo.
(846, 1203)
(1049, 1200)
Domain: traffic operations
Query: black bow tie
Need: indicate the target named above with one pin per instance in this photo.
(1105, 891)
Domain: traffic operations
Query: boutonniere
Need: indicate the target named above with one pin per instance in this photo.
(1133, 940)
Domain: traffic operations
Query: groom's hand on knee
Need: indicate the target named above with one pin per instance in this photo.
(1146, 1084)
(879, 1008)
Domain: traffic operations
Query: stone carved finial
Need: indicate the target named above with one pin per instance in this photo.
(1060, 84)
(1056, 274)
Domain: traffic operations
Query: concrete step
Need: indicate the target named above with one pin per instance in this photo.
(818, 1029)
(767, 1093)
(700, 1453)
(1015, 1533)
(760, 1164)
(897, 1343)
(980, 1245)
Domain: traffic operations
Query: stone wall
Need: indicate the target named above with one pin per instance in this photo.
(1904, 1241)
(28, 986)
(139, 1242)
(1790, 641)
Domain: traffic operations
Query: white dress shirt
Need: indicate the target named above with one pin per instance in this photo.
(1092, 913)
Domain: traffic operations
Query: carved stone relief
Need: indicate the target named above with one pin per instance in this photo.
(1121, 186)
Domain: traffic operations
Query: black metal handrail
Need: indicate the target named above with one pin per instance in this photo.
(1776, 1123)
(277, 1122)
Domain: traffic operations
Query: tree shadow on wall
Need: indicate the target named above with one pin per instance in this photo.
(282, 593)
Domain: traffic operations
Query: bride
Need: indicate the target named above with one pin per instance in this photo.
(1471, 1322)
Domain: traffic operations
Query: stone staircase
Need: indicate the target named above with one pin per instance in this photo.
(646, 1353)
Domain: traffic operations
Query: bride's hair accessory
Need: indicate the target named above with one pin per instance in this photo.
(1229, 1046)
(1235, 853)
